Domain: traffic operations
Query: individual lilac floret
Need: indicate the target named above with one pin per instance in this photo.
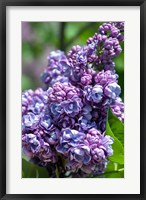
(52, 136)
(30, 121)
(85, 124)
(58, 65)
(62, 91)
(69, 138)
(112, 90)
(72, 106)
(100, 149)
(46, 122)
(100, 144)
(56, 110)
(118, 108)
(94, 94)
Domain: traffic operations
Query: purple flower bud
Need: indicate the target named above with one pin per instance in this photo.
(103, 78)
(86, 79)
(62, 91)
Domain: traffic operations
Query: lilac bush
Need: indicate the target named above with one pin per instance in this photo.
(64, 123)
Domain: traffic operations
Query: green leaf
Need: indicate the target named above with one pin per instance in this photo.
(30, 170)
(113, 174)
(113, 170)
(116, 126)
(118, 155)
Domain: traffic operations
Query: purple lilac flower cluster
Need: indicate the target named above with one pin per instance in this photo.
(67, 120)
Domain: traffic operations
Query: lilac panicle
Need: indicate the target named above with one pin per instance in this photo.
(64, 124)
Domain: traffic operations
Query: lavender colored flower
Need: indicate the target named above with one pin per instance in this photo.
(94, 94)
(85, 124)
(72, 106)
(52, 136)
(112, 29)
(95, 48)
(86, 112)
(86, 79)
(117, 107)
(62, 91)
(35, 147)
(46, 121)
(34, 101)
(78, 156)
(30, 121)
(58, 65)
(56, 109)
(112, 49)
(69, 138)
(108, 65)
(105, 77)
(46, 154)
(77, 56)
(112, 90)
(30, 144)
(91, 155)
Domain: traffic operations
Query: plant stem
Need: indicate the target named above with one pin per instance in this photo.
(62, 35)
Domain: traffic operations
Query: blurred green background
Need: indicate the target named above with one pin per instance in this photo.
(40, 38)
